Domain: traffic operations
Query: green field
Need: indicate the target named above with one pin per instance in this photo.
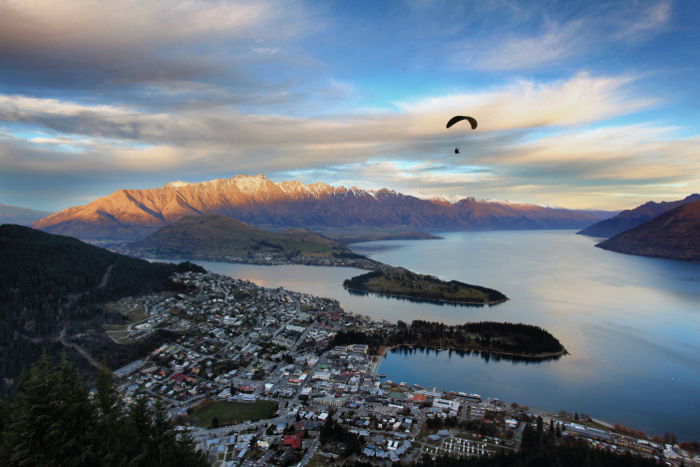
(231, 413)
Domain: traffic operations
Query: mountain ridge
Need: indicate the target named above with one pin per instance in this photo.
(672, 235)
(129, 215)
(631, 218)
(19, 215)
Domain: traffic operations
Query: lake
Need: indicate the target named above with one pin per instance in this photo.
(631, 324)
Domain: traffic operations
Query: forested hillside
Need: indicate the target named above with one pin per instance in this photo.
(48, 282)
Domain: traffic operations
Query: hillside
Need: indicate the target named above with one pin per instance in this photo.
(20, 216)
(129, 215)
(221, 238)
(50, 282)
(673, 235)
(631, 218)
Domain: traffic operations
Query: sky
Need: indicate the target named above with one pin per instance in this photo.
(581, 104)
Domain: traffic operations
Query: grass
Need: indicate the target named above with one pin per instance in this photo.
(317, 461)
(120, 336)
(231, 413)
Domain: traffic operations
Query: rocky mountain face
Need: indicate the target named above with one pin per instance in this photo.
(672, 235)
(631, 218)
(20, 216)
(128, 215)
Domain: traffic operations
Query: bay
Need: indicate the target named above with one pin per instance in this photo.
(631, 324)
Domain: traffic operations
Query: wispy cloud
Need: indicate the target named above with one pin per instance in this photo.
(405, 148)
(526, 104)
(555, 43)
(549, 39)
(412, 126)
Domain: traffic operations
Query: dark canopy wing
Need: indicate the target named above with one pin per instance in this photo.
(459, 118)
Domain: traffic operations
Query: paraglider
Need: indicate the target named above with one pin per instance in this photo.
(458, 118)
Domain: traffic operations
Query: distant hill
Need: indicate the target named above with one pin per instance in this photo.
(214, 235)
(130, 215)
(672, 235)
(20, 216)
(51, 282)
(631, 218)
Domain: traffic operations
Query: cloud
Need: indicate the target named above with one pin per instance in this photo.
(638, 22)
(125, 41)
(548, 38)
(530, 143)
(523, 104)
(555, 43)
(527, 104)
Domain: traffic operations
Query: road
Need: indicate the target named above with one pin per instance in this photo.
(78, 349)
(309, 453)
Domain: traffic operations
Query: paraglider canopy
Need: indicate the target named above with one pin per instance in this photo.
(459, 118)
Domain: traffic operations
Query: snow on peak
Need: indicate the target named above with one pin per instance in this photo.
(250, 183)
(176, 184)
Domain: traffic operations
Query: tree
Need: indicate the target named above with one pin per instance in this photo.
(52, 421)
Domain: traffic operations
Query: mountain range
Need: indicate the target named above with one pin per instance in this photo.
(19, 216)
(129, 215)
(672, 235)
(631, 218)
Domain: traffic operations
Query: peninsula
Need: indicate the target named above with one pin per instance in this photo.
(215, 237)
(514, 340)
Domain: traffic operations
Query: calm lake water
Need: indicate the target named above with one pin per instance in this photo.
(631, 324)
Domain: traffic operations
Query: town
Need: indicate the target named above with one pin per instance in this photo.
(254, 377)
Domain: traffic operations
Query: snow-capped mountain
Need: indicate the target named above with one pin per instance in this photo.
(133, 214)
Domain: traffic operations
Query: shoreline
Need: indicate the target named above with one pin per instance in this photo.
(543, 356)
(427, 300)
(364, 264)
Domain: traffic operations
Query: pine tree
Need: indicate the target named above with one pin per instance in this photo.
(112, 436)
(52, 421)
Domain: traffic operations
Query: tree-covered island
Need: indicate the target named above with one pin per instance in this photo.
(519, 341)
(402, 283)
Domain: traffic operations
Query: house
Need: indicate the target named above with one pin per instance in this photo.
(293, 441)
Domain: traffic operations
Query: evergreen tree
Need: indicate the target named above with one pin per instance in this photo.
(51, 418)
(53, 421)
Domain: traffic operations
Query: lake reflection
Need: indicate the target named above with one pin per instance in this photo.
(631, 324)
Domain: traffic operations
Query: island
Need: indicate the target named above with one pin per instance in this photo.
(514, 340)
(401, 283)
